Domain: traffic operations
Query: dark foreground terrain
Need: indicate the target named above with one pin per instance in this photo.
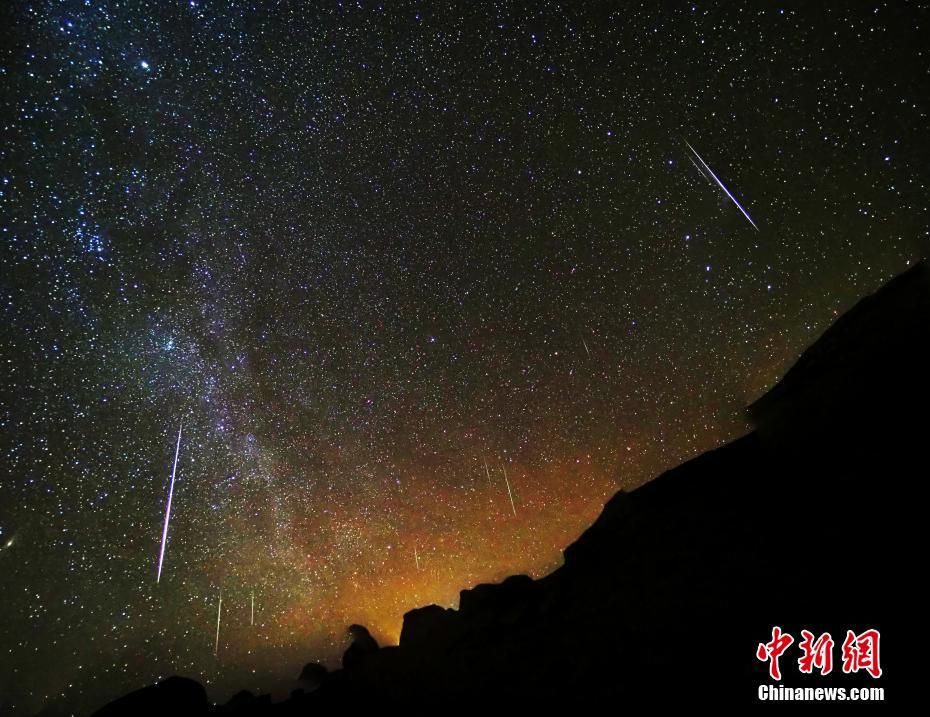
(805, 523)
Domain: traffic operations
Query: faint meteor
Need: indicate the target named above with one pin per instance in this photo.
(507, 481)
(698, 168)
(488, 473)
(164, 532)
(722, 186)
(416, 556)
(219, 613)
(252, 621)
(585, 344)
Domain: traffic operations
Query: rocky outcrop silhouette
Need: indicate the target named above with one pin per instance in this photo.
(314, 674)
(172, 696)
(363, 645)
(244, 701)
(802, 523)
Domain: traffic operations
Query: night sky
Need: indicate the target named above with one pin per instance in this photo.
(364, 251)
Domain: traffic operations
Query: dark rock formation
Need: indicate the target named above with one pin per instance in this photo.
(363, 645)
(242, 701)
(314, 674)
(428, 625)
(663, 600)
(172, 696)
(869, 365)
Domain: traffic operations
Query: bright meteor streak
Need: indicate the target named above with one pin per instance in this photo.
(722, 186)
(164, 532)
(507, 481)
(219, 613)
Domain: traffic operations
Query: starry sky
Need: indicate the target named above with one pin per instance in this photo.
(426, 283)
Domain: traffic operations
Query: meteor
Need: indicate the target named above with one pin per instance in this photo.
(698, 168)
(507, 481)
(488, 473)
(164, 532)
(219, 612)
(253, 608)
(722, 186)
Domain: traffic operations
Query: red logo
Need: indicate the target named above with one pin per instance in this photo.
(771, 651)
(817, 653)
(860, 652)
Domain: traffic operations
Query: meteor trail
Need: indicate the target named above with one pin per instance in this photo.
(507, 481)
(164, 532)
(416, 556)
(698, 168)
(252, 622)
(722, 186)
(585, 343)
(488, 473)
(219, 612)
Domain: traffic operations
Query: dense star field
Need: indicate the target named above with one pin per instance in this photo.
(426, 284)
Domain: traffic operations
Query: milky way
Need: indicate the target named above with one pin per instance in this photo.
(425, 283)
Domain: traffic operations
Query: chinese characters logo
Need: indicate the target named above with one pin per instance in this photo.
(859, 652)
